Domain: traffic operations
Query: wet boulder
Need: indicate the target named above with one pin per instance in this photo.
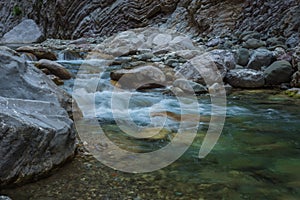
(139, 78)
(245, 78)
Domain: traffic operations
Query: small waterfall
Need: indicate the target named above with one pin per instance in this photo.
(68, 55)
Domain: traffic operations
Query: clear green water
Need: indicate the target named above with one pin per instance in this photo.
(257, 157)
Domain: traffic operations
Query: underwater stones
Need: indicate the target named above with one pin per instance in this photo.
(245, 78)
(156, 133)
(279, 72)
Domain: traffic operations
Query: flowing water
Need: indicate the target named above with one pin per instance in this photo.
(256, 157)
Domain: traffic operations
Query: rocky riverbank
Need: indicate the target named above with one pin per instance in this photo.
(36, 131)
(183, 47)
(250, 60)
(155, 56)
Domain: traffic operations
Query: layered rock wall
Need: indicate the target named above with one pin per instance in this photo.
(76, 18)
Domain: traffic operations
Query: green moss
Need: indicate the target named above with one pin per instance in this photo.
(17, 10)
(292, 93)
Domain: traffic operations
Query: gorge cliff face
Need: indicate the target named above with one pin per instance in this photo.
(76, 18)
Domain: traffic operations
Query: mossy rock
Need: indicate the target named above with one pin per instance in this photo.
(293, 93)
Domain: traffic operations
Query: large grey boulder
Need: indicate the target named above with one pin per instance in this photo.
(208, 67)
(35, 129)
(279, 72)
(260, 58)
(245, 78)
(138, 78)
(25, 32)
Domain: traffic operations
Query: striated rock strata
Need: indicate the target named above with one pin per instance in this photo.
(76, 18)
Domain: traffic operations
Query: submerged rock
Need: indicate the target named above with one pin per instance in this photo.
(245, 78)
(37, 133)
